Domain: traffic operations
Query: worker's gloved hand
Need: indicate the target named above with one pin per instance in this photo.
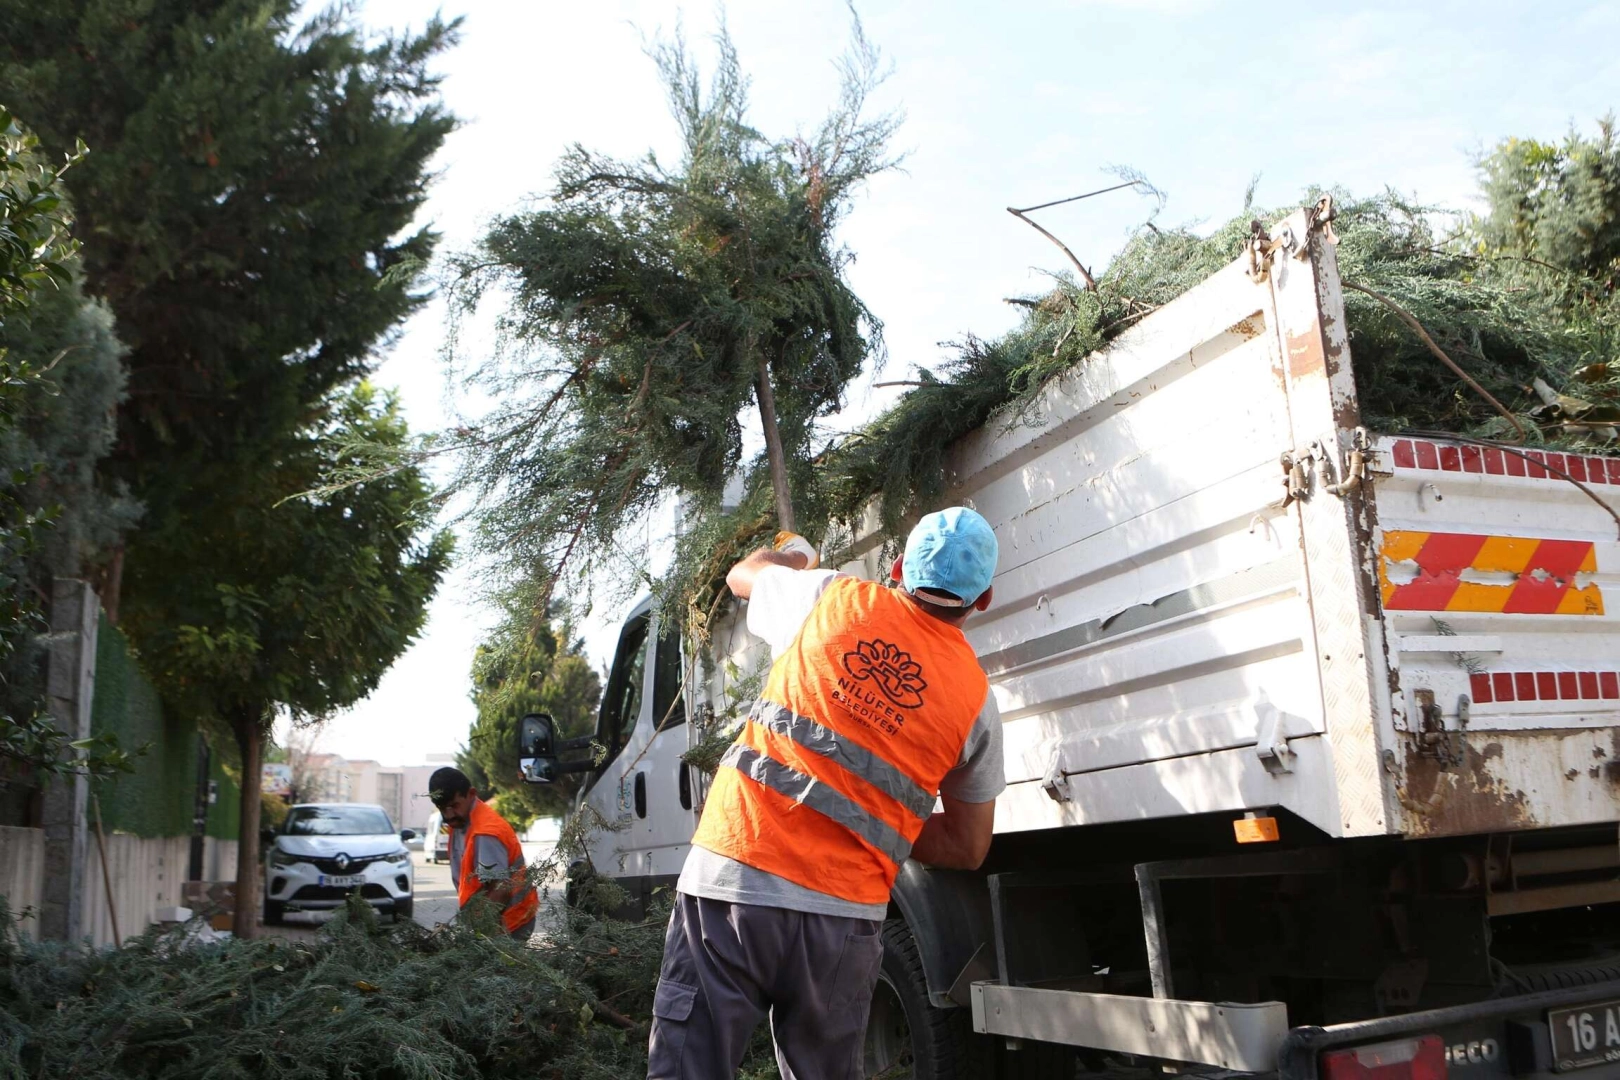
(792, 543)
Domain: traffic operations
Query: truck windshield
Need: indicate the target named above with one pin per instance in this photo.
(337, 821)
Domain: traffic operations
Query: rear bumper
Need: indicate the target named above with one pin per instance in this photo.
(1507, 1037)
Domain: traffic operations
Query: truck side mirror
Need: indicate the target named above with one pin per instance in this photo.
(538, 747)
(537, 752)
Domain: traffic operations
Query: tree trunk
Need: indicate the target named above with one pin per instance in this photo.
(773, 449)
(250, 740)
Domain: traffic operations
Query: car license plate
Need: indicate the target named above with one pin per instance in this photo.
(341, 881)
(1589, 1035)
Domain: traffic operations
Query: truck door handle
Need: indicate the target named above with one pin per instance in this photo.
(641, 795)
(685, 785)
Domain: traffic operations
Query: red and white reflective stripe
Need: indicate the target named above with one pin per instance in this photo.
(1544, 577)
(1429, 456)
(1545, 686)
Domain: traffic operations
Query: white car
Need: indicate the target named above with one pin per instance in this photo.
(325, 851)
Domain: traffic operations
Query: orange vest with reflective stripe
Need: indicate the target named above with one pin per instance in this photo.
(838, 766)
(483, 821)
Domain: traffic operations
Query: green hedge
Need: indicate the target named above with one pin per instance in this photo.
(157, 798)
(225, 816)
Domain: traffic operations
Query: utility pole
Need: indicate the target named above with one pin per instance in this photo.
(70, 686)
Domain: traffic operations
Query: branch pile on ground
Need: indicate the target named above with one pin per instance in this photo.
(362, 1001)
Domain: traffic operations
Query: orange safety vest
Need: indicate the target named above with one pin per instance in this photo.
(483, 821)
(839, 764)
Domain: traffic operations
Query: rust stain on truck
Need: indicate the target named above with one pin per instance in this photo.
(1508, 781)
(1305, 354)
(1443, 800)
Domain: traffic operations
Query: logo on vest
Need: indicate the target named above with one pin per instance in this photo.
(894, 672)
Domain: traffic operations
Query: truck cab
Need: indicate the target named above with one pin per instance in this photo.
(642, 787)
(661, 699)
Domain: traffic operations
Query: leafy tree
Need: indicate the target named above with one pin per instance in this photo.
(301, 602)
(1555, 205)
(252, 196)
(61, 428)
(59, 372)
(648, 306)
(521, 670)
(65, 426)
(1551, 234)
(257, 177)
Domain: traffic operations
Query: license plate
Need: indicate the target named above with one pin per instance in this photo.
(1585, 1036)
(341, 881)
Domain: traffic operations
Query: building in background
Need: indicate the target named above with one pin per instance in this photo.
(401, 790)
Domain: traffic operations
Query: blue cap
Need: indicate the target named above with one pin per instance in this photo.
(953, 551)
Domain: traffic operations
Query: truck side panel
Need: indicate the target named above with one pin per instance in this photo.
(1151, 620)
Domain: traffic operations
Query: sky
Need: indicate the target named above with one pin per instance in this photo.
(1005, 105)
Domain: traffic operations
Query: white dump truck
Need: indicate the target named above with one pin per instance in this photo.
(1311, 730)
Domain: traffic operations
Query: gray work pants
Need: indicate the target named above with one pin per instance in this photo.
(727, 965)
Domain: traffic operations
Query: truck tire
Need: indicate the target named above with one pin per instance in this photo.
(274, 910)
(1525, 980)
(904, 1028)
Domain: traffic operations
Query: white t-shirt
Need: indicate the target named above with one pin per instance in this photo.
(781, 601)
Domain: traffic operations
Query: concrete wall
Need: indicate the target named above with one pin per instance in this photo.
(219, 859)
(147, 874)
(22, 874)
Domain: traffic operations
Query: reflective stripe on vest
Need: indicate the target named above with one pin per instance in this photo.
(484, 821)
(836, 772)
(808, 791)
(851, 755)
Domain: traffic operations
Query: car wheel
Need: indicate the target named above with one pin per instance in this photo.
(402, 910)
(274, 910)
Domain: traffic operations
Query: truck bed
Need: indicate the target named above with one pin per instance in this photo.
(1431, 649)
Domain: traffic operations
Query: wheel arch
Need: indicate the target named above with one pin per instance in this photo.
(948, 913)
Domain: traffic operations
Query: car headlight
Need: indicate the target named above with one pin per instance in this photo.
(279, 858)
(402, 857)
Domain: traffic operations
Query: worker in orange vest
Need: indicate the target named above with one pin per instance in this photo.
(485, 856)
(875, 710)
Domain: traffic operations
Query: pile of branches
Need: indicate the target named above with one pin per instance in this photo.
(1544, 361)
(362, 1000)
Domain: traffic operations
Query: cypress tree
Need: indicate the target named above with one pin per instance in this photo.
(249, 209)
(251, 216)
(649, 307)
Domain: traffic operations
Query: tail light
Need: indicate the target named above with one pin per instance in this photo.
(1407, 1059)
